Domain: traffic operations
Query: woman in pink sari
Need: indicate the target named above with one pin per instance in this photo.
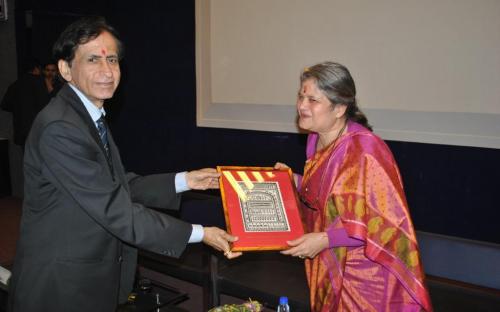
(360, 248)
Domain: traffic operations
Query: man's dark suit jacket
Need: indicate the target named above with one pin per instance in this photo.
(81, 220)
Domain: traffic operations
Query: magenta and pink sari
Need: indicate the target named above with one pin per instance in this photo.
(355, 188)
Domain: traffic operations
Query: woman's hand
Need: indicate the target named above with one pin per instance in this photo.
(280, 166)
(308, 245)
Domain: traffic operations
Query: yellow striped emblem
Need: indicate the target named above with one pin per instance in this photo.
(234, 184)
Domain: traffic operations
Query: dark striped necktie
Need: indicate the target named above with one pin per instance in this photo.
(103, 133)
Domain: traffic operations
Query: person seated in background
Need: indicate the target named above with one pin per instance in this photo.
(24, 98)
(360, 252)
(84, 216)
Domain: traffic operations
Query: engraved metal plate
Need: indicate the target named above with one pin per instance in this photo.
(263, 210)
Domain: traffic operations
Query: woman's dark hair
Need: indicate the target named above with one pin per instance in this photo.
(335, 81)
(80, 32)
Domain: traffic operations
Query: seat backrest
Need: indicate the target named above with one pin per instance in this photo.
(262, 276)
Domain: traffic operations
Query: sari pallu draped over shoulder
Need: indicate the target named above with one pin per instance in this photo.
(356, 185)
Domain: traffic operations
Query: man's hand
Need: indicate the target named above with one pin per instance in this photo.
(308, 245)
(202, 179)
(219, 240)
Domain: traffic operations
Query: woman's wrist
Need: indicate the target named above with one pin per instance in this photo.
(325, 239)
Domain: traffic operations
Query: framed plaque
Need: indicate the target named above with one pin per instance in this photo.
(260, 207)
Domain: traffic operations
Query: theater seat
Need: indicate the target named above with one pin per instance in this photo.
(192, 266)
(263, 276)
(10, 218)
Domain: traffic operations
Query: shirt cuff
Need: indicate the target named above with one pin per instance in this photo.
(196, 234)
(180, 182)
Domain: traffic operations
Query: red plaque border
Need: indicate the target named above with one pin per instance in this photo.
(255, 241)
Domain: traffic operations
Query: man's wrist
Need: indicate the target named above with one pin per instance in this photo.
(197, 234)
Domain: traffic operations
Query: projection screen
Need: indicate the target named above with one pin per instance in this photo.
(426, 71)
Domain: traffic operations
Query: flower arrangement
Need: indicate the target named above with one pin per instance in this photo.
(249, 306)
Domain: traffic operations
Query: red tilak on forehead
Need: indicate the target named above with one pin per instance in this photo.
(103, 52)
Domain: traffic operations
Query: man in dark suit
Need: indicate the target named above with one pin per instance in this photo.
(83, 215)
(24, 98)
